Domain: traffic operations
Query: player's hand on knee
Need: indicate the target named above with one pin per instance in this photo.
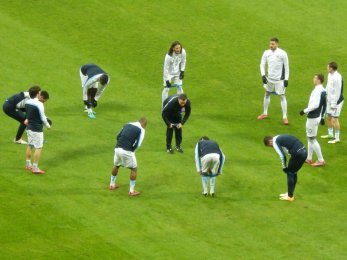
(264, 79)
(168, 84)
(181, 75)
(285, 83)
(179, 125)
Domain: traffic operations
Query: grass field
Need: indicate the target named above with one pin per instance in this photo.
(70, 214)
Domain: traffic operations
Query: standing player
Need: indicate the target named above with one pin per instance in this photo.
(174, 66)
(128, 140)
(37, 118)
(14, 107)
(173, 107)
(209, 160)
(94, 81)
(298, 155)
(277, 77)
(335, 99)
(315, 114)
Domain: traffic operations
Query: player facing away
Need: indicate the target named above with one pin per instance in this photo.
(36, 119)
(335, 100)
(94, 81)
(173, 107)
(277, 77)
(174, 66)
(129, 140)
(298, 155)
(209, 161)
(14, 107)
(315, 115)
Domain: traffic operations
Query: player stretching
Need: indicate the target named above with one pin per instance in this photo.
(277, 77)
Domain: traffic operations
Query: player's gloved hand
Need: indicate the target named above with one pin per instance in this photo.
(264, 79)
(302, 113)
(87, 103)
(181, 75)
(168, 84)
(322, 121)
(285, 170)
(49, 121)
(285, 83)
(94, 103)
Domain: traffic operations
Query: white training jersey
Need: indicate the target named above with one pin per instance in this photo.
(21, 104)
(333, 88)
(174, 64)
(277, 65)
(315, 98)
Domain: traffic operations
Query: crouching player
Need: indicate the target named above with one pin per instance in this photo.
(209, 160)
(128, 140)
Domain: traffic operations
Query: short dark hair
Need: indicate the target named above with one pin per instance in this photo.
(103, 79)
(44, 94)
(320, 76)
(34, 90)
(274, 39)
(333, 65)
(267, 140)
(204, 138)
(173, 45)
(182, 96)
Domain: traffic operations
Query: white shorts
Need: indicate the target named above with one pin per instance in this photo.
(35, 139)
(312, 126)
(174, 80)
(210, 163)
(275, 87)
(124, 158)
(334, 112)
(84, 79)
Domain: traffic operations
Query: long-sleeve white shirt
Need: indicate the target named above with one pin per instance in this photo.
(93, 82)
(276, 61)
(333, 88)
(174, 64)
(315, 98)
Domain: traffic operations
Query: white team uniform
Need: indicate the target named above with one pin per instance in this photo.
(314, 101)
(276, 61)
(173, 65)
(334, 92)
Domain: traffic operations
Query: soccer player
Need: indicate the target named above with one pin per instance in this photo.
(174, 66)
(277, 77)
(94, 81)
(209, 160)
(315, 114)
(36, 119)
(14, 107)
(335, 100)
(129, 140)
(298, 155)
(173, 107)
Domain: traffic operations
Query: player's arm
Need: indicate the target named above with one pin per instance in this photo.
(281, 154)
(167, 67)
(263, 64)
(187, 112)
(43, 116)
(313, 103)
(184, 60)
(286, 66)
(324, 103)
(141, 137)
(101, 90)
(197, 158)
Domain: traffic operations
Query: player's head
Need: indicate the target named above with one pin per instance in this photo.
(43, 96)
(33, 91)
(268, 141)
(204, 138)
(176, 47)
(143, 122)
(318, 79)
(182, 99)
(103, 79)
(332, 67)
(273, 43)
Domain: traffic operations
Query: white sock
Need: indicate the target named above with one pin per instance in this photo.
(132, 186)
(309, 149)
(284, 106)
(164, 94)
(212, 183)
(317, 150)
(113, 179)
(204, 183)
(179, 90)
(35, 166)
(330, 131)
(337, 134)
(28, 162)
(266, 104)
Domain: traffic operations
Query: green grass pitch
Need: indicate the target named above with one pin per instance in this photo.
(70, 214)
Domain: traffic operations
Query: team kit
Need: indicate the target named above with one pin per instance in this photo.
(27, 108)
